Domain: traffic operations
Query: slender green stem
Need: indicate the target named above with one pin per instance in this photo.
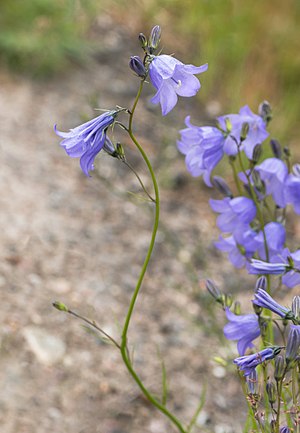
(124, 347)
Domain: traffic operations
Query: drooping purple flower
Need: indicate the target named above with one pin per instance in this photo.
(244, 328)
(273, 172)
(234, 213)
(239, 247)
(257, 132)
(264, 300)
(292, 277)
(86, 141)
(292, 192)
(172, 78)
(203, 147)
(248, 363)
(260, 267)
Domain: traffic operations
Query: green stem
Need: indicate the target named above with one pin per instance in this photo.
(124, 348)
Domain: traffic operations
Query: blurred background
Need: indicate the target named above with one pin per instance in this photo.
(253, 48)
(81, 241)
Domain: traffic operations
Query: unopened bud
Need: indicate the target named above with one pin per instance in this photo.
(237, 308)
(143, 40)
(284, 429)
(265, 111)
(276, 148)
(110, 148)
(271, 391)
(228, 124)
(244, 131)
(287, 152)
(257, 151)
(60, 306)
(293, 344)
(261, 283)
(296, 307)
(136, 64)
(214, 291)
(154, 38)
(279, 368)
(258, 182)
(252, 382)
(220, 184)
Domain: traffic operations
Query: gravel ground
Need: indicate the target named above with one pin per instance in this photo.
(82, 241)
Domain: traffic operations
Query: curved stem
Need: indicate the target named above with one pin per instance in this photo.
(124, 348)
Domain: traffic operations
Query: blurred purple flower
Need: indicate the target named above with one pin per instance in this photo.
(239, 247)
(244, 328)
(293, 343)
(234, 213)
(273, 172)
(203, 147)
(86, 141)
(292, 192)
(264, 300)
(275, 237)
(172, 78)
(257, 131)
(248, 363)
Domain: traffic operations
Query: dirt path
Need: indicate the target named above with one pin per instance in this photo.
(82, 241)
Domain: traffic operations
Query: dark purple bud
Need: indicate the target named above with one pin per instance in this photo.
(287, 152)
(109, 148)
(220, 184)
(213, 290)
(271, 391)
(244, 131)
(154, 38)
(293, 344)
(265, 111)
(136, 64)
(276, 148)
(284, 429)
(279, 368)
(258, 182)
(143, 40)
(257, 151)
(296, 307)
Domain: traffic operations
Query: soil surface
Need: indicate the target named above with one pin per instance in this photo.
(82, 241)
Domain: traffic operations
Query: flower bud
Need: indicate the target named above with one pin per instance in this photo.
(296, 307)
(293, 344)
(261, 283)
(60, 306)
(143, 40)
(276, 148)
(257, 151)
(154, 38)
(228, 124)
(265, 111)
(109, 148)
(136, 64)
(258, 182)
(227, 300)
(220, 184)
(244, 131)
(286, 151)
(271, 391)
(214, 291)
(237, 308)
(279, 368)
(252, 382)
(284, 429)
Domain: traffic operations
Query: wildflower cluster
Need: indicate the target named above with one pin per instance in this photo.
(251, 215)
